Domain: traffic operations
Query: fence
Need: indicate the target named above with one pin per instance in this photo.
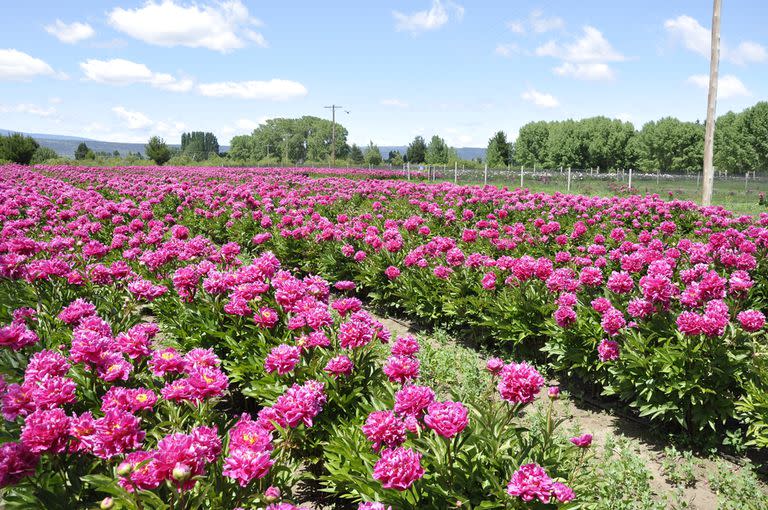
(741, 193)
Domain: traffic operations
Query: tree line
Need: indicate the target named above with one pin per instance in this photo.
(667, 144)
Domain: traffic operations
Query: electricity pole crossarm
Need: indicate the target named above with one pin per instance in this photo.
(333, 109)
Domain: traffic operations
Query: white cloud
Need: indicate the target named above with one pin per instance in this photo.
(17, 65)
(697, 39)
(585, 58)
(274, 90)
(540, 24)
(585, 71)
(591, 47)
(124, 72)
(693, 36)
(423, 21)
(70, 33)
(727, 86)
(397, 103)
(139, 122)
(30, 109)
(537, 23)
(220, 26)
(540, 99)
(516, 27)
(747, 52)
(132, 119)
(507, 50)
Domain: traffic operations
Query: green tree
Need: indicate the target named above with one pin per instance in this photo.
(755, 131)
(566, 145)
(83, 152)
(199, 145)
(43, 154)
(417, 151)
(372, 154)
(18, 148)
(607, 143)
(499, 151)
(291, 140)
(437, 151)
(531, 143)
(356, 155)
(395, 158)
(157, 150)
(671, 145)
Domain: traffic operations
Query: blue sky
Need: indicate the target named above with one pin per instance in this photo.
(120, 70)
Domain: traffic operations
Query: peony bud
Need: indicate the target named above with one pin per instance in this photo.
(124, 469)
(554, 392)
(181, 473)
(106, 503)
(272, 494)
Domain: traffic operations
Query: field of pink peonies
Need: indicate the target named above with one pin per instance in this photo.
(180, 338)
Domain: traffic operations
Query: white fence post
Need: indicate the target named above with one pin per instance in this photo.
(485, 175)
(569, 179)
(408, 169)
(521, 176)
(629, 182)
(698, 177)
(455, 172)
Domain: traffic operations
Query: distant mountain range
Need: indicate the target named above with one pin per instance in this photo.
(66, 145)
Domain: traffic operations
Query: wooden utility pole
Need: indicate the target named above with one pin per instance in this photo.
(709, 130)
(333, 109)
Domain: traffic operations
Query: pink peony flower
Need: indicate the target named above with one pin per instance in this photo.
(530, 482)
(494, 365)
(282, 359)
(447, 419)
(405, 346)
(245, 465)
(16, 462)
(519, 383)
(583, 441)
(117, 432)
(299, 404)
(398, 468)
(340, 365)
(413, 400)
(384, 428)
(401, 369)
(166, 361)
(751, 320)
(45, 431)
(392, 272)
(608, 350)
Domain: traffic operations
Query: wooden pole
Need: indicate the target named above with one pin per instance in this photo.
(709, 128)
